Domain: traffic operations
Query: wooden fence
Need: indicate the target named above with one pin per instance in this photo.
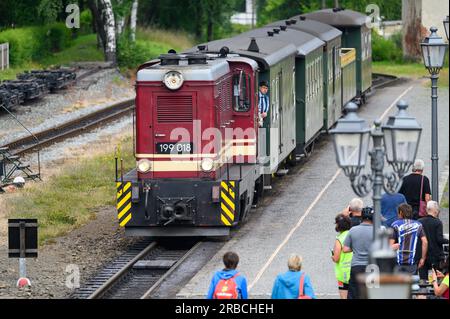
(4, 56)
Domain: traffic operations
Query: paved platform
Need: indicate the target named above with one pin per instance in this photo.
(299, 215)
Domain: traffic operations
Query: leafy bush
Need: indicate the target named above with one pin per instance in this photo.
(131, 55)
(386, 49)
(34, 43)
(22, 44)
(86, 22)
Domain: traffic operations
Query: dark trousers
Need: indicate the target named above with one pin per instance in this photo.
(415, 210)
(423, 272)
(408, 269)
(353, 286)
(431, 260)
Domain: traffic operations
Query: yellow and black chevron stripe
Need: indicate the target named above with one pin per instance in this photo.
(124, 203)
(228, 202)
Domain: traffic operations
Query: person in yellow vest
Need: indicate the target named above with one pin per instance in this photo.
(342, 260)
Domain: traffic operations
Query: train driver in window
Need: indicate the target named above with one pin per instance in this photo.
(264, 102)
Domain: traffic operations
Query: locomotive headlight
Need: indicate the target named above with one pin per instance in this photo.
(144, 166)
(173, 80)
(207, 165)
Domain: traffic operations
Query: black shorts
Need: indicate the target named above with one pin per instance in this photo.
(342, 286)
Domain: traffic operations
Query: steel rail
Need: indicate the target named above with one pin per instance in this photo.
(169, 272)
(383, 80)
(72, 128)
(111, 281)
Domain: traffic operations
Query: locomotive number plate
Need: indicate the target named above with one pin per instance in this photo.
(174, 148)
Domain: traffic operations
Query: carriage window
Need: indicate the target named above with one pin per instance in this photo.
(241, 92)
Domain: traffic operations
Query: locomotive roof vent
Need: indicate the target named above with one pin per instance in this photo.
(197, 59)
(170, 59)
(302, 18)
(288, 22)
(253, 47)
(283, 28)
(224, 51)
(277, 31)
(293, 21)
(270, 33)
(202, 47)
(338, 9)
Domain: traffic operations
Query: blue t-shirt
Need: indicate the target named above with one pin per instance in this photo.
(406, 233)
(389, 205)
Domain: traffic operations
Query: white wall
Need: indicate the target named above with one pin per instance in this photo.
(434, 13)
(248, 17)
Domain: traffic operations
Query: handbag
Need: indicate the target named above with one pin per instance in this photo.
(302, 288)
(422, 204)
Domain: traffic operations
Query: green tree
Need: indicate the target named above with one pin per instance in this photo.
(207, 19)
(271, 10)
(48, 10)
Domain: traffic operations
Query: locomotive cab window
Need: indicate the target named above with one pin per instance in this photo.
(241, 92)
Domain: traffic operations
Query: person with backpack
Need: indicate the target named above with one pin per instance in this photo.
(228, 283)
(294, 284)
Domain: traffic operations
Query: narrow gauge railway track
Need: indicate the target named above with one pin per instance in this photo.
(136, 275)
(69, 129)
(382, 80)
(89, 73)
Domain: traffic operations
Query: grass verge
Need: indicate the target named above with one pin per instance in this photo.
(410, 70)
(70, 198)
(175, 40)
(84, 48)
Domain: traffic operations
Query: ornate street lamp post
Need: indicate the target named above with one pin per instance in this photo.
(401, 136)
(397, 141)
(433, 52)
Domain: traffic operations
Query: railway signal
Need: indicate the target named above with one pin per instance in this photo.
(22, 244)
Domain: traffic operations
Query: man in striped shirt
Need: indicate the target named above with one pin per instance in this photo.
(405, 238)
(264, 102)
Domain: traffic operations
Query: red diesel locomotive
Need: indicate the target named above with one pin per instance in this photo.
(197, 121)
